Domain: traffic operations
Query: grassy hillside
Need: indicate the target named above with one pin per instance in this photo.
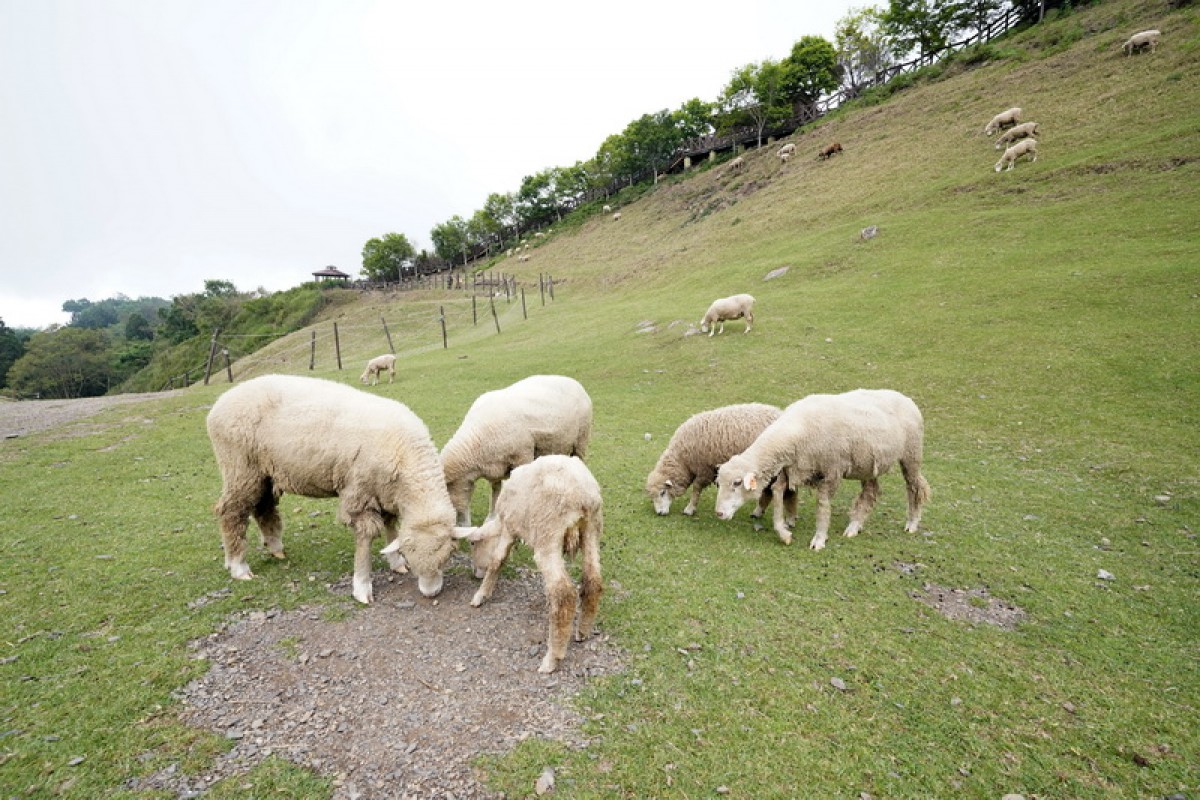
(1046, 321)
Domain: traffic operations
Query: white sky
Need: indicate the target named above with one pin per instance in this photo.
(149, 145)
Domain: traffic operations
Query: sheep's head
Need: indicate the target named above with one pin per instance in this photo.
(485, 544)
(737, 482)
(426, 548)
(662, 491)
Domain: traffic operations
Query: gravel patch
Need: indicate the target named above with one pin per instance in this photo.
(22, 417)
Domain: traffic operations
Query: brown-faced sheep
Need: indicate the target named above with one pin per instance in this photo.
(378, 365)
(1142, 40)
(1016, 133)
(825, 438)
(505, 428)
(553, 505)
(727, 308)
(1025, 147)
(703, 443)
(280, 434)
(829, 151)
(1005, 119)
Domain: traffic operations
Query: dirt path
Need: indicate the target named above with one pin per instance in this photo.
(22, 417)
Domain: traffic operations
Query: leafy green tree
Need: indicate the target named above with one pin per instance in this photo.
(923, 26)
(86, 314)
(809, 71)
(12, 347)
(694, 119)
(756, 94)
(502, 209)
(63, 363)
(450, 240)
(863, 48)
(384, 257)
(975, 15)
(137, 328)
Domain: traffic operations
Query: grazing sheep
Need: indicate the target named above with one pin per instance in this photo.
(553, 505)
(726, 308)
(281, 433)
(786, 152)
(829, 151)
(1142, 40)
(704, 442)
(1005, 119)
(1024, 147)
(377, 365)
(607, 209)
(505, 428)
(616, 216)
(736, 165)
(824, 438)
(1017, 132)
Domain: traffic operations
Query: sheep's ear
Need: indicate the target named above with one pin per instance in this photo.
(466, 533)
(391, 548)
(668, 484)
(750, 481)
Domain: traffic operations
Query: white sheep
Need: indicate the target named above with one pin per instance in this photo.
(704, 442)
(280, 434)
(1025, 147)
(1005, 119)
(824, 438)
(378, 365)
(727, 308)
(786, 152)
(736, 165)
(607, 209)
(505, 428)
(1025, 129)
(553, 505)
(1142, 40)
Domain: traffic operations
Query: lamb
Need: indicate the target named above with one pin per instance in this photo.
(1142, 40)
(824, 438)
(505, 428)
(829, 151)
(281, 433)
(726, 308)
(552, 504)
(736, 165)
(1017, 132)
(704, 442)
(376, 366)
(1005, 119)
(1022, 148)
(786, 152)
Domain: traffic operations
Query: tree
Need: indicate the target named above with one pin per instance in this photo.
(810, 71)
(137, 328)
(974, 14)
(12, 347)
(450, 239)
(694, 119)
(86, 314)
(384, 257)
(757, 95)
(863, 48)
(921, 25)
(63, 363)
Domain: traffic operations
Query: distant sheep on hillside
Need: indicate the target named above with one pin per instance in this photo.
(1016, 132)
(829, 151)
(1142, 40)
(1025, 147)
(1005, 119)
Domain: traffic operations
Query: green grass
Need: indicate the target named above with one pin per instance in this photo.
(1045, 319)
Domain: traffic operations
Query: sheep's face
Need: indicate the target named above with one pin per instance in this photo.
(662, 492)
(426, 552)
(736, 484)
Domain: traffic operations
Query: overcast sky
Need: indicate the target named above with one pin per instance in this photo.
(149, 145)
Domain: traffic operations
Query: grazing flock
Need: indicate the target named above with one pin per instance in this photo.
(280, 434)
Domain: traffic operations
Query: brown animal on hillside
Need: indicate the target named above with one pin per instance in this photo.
(829, 151)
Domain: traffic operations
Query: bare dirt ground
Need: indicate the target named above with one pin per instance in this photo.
(394, 700)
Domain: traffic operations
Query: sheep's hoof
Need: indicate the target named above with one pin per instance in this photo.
(279, 555)
(477, 600)
(363, 592)
(816, 544)
(910, 528)
(548, 665)
(688, 512)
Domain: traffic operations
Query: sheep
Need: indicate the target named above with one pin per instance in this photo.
(377, 365)
(1016, 132)
(282, 433)
(786, 152)
(505, 428)
(726, 308)
(735, 165)
(552, 504)
(829, 151)
(824, 438)
(1022, 148)
(704, 442)
(607, 209)
(1142, 40)
(1005, 119)
(616, 216)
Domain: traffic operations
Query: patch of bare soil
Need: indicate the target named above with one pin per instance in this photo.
(970, 605)
(397, 699)
(21, 417)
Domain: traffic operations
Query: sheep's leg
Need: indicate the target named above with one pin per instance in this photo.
(592, 583)
(779, 491)
(918, 494)
(395, 559)
(560, 594)
(749, 322)
(500, 555)
(367, 525)
(764, 500)
(791, 503)
(862, 506)
(266, 514)
(826, 489)
(693, 500)
(495, 496)
(238, 501)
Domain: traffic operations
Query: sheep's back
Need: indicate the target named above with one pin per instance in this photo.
(710, 438)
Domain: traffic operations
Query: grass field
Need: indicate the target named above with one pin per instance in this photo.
(1046, 320)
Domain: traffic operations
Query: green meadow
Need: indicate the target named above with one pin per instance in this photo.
(1046, 320)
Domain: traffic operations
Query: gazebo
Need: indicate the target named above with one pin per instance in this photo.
(331, 273)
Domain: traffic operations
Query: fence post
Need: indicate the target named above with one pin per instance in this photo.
(228, 367)
(442, 316)
(388, 334)
(337, 346)
(542, 287)
(550, 280)
(312, 354)
(496, 319)
(524, 315)
(474, 312)
(212, 353)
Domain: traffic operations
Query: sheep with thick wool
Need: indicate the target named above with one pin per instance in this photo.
(1016, 133)
(1005, 119)
(824, 438)
(703, 443)
(1142, 40)
(280, 434)
(552, 504)
(505, 428)
(786, 152)
(1025, 147)
(727, 308)
(377, 366)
